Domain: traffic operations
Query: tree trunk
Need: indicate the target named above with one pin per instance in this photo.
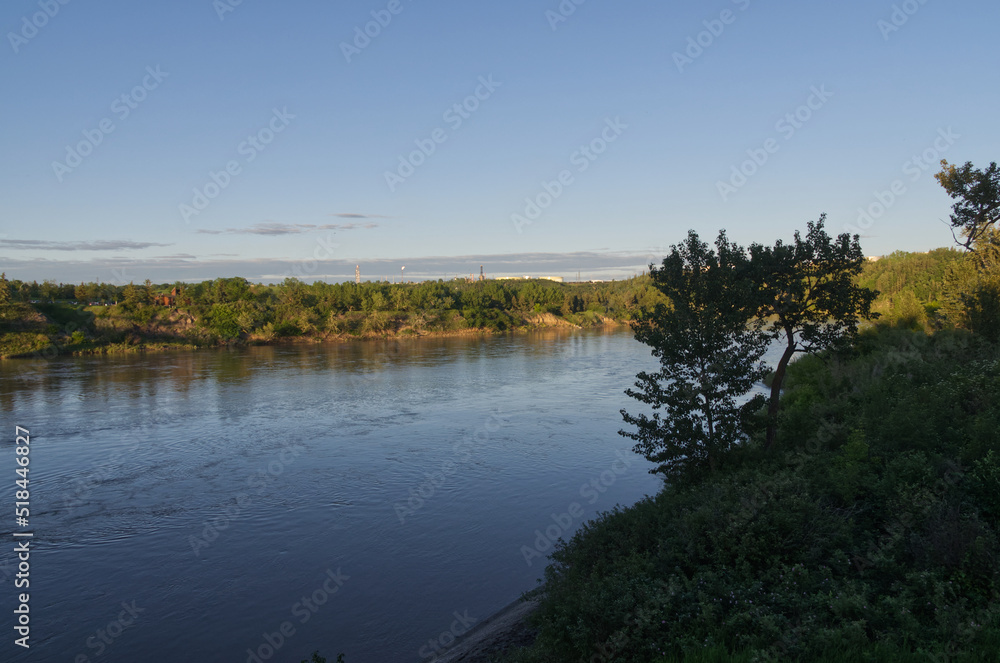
(711, 440)
(779, 377)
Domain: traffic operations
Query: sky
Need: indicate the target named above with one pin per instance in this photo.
(199, 139)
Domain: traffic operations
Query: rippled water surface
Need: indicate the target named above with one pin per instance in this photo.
(212, 491)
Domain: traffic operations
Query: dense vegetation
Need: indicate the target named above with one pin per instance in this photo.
(102, 318)
(872, 535)
(911, 286)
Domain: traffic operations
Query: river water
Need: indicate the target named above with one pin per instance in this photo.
(369, 498)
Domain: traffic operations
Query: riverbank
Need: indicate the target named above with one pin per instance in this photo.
(47, 331)
(502, 632)
(868, 532)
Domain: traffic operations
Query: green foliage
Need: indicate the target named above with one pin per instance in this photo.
(972, 299)
(22, 344)
(911, 286)
(809, 296)
(5, 296)
(132, 297)
(872, 536)
(223, 320)
(709, 358)
(233, 310)
(977, 196)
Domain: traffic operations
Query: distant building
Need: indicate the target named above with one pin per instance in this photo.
(167, 300)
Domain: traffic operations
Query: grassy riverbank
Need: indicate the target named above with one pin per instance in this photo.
(870, 534)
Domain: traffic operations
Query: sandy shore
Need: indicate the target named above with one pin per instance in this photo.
(502, 631)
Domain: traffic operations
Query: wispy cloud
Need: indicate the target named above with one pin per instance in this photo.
(353, 215)
(98, 245)
(273, 229)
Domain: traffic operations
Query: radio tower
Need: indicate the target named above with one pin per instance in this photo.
(357, 273)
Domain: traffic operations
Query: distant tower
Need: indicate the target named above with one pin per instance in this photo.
(482, 277)
(357, 273)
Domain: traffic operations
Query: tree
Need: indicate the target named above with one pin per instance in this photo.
(4, 290)
(808, 294)
(132, 297)
(977, 193)
(48, 291)
(972, 298)
(709, 357)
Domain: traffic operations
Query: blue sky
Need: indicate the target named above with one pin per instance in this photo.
(310, 129)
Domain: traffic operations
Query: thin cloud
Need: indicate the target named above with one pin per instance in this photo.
(348, 226)
(277, 229)
(354, 215)
(98, 245)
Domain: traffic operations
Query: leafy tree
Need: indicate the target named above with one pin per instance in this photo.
(709, 357)
(48, 291)
(4, 290)
(808, 294)
(132, 296)
(977, 193)
(973, 297)
(400, 300)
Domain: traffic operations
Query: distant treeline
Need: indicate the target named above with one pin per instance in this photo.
(101, 317)
(912, 287)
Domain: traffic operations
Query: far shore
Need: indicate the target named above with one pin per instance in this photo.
(142, 341)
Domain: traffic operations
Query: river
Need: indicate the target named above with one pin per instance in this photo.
(369, 498)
